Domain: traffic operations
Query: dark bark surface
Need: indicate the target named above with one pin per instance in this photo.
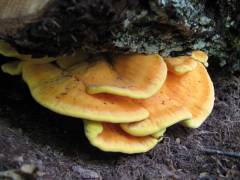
(168, 27)
(30, 134)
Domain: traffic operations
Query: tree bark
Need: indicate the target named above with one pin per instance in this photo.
(168, 27)
(15, 14)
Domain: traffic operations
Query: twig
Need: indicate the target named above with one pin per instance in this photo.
(224, 153)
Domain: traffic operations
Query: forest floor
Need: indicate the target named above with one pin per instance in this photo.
(56, 145)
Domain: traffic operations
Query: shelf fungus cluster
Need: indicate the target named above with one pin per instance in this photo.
(127, 103)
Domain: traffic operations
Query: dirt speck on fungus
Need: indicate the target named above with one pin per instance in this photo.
(30, 134)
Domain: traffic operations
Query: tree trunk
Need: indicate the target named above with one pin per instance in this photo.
(15, 14)
(168, 27)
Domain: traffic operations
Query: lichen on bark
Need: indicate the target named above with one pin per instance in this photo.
(168, 27)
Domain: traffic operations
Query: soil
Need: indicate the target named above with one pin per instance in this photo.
(56, 145)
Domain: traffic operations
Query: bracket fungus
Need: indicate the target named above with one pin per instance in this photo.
(164, 112)
(8, 51)
(201, 57)
(12, 68)
(110, 137)
(65, 94)
(180, 65)
(126, 103)
(159, 135)
(194, 91)
(65, 62)
(134, 76)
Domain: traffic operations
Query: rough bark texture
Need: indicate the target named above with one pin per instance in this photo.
(16, 14)
(168, 27)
